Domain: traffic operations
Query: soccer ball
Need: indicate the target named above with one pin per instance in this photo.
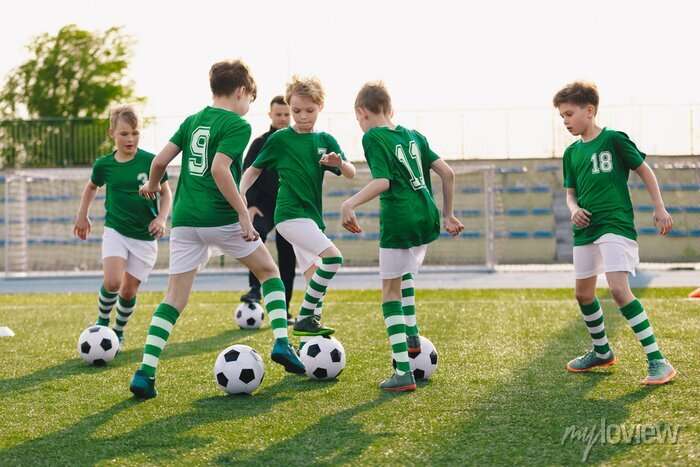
(323, 357)
(239, 369)
(249, 315)
(98, 345)
(424, 363)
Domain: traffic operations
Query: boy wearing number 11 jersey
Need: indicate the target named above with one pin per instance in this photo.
(596, 168)
(400, 161)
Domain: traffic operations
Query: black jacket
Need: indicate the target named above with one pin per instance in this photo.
(263, 193)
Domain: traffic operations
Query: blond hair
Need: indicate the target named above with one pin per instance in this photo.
(307, 87)
(123, 112)
(374, 97)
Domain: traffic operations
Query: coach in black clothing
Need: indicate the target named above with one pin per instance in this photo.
(262, 197)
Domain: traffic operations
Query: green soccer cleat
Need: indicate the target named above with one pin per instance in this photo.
(143, 386)
(120, 336)
(413, 343)
(590, 360)
(284, 354)
(399, 383)
(311, 326)
(660, 372)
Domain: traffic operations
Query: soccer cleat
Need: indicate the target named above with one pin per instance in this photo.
(311, 326)
(399, 383)
(660, 372)
(252, 296)
(590, 360)
(143, 386)
(284, 354)
(120, 336)
(413, 343)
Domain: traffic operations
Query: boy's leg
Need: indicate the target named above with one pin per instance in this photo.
(253, 295)
(402, 379)
(408, 305)
(113, 267)
(600, 355)
(308, 321)
(660, 370)
(287, 264)
(263, 266)
(164, 318)
(125, 304)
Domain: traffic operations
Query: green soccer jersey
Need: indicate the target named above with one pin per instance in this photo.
(295, 157)
(598, 170)
(126, 211)
(408, 214)
(198, 201)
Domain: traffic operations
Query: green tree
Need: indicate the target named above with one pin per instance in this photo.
(61, 93)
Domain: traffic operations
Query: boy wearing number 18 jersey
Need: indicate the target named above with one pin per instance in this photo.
(210, 212)
(596, 169)
(400, 161)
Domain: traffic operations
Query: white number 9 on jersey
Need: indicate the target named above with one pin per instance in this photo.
(198, 162)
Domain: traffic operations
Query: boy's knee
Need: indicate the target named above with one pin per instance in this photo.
(620, 294)
(112, 285)
(584, 298)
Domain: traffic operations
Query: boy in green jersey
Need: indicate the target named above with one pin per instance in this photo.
(132, 224)
(596, 169)
(301, 157)
(209, 212)
(400, 160)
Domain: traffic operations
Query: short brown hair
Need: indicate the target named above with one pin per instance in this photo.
(278, 100)
(123, 112)
(581, 93)
(374, 97)
(307, 87)
(228, 75)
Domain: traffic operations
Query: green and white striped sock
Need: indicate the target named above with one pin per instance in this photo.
(105, 302)
(318, 285)
(593, 317)
(125, 308)
(408, 304)
(396, 328)
(639, 322)
(162, 323)
(276, 305)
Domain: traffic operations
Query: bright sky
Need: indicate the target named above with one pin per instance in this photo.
(436, 55)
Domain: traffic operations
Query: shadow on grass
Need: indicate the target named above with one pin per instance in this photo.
(131, 357)
(334, 440)
(524, 421)
(159, 440)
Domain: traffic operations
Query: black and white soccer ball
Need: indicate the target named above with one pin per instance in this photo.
(424, 363)
(98, 345)
(323, 357)
(249, 315)
(239, 369)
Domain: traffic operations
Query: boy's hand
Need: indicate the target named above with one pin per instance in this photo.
(148, 190)
(331, 160)
(248, 232)
(157, 227)
(581, 218)
(453, 226)
(82, 227)
(347, 214)
(663, 221)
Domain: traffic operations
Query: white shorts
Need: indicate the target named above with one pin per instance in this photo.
(140, 255)
(610, 253)
(191, 247)
(395, 262)
(307, 240)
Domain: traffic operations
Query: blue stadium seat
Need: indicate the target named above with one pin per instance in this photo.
(540, 189)
(549, 168)
(543, 234)
(541, 212)
(471, 190)
(517, 212)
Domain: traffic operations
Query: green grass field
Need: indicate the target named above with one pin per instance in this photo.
(500, 394)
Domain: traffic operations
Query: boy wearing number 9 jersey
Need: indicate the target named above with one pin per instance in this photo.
(400, 161)
(210, 212)
(596, 169)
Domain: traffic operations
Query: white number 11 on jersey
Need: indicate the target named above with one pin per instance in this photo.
(417, 180)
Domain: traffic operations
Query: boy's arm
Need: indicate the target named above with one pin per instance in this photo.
(447, 175)
(579, 216)
(368, 193)
(249, 177)
(221, 172)
(158, 166)
(662, 219)
(157, 225)
(332, 159)
(82, 222)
